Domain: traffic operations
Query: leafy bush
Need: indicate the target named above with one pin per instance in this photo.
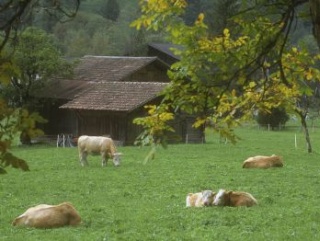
(274, 117)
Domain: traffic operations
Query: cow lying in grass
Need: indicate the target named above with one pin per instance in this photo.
(98, 145)
(200, 199)
(263, 162)
(49, 216)
(234, 199)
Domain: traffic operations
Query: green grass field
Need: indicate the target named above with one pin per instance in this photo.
(147, 202)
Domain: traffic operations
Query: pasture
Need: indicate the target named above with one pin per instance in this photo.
(147, 202)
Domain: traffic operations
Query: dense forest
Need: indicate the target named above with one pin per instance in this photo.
(103, 27)
(99, 28)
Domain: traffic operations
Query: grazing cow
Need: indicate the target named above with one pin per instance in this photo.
(98, 145)
(200, 199)
(234, 199)
(49, 216)
(263, 162)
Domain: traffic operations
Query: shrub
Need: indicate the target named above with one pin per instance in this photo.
(274, 117)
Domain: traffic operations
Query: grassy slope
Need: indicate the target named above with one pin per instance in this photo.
(147, 202)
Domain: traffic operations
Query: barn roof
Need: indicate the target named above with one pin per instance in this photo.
(109, 68)
(94, 69)
(116, 96)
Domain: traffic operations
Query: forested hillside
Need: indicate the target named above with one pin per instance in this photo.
(99, 28)
(102, 27)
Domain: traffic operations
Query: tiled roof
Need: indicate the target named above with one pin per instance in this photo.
(116, 96)
(109, 68)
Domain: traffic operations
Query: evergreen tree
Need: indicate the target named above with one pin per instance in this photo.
(192, 11)
(111, 10)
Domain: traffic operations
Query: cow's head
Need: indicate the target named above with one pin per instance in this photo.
(117, 158)
(207, 197)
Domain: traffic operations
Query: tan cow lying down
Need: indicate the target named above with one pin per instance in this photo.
(49, 216)
(200, 199)
(234, 199)
(98, 145)
(263, 162)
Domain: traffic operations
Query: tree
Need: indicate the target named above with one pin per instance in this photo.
(219, 13)
(192, 11)
(250, 67)
(14, 120)
(86, 34)
(13, 13)
(315, 16)
(274, 118)
(111, 10)
(38, 60)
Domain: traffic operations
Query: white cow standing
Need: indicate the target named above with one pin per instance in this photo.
(98, 145)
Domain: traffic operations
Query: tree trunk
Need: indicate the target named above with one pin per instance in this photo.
(203, 133)
(25, 138)
(305, 130)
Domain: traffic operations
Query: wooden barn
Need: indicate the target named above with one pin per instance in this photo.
(106, 94)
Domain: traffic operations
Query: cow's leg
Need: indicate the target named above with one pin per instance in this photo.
(104, 159)
(83, 158)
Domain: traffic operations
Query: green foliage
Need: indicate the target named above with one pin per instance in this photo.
(315, 16)
(147, 202)
(7, 159)
(37, 59)
(15, 15)
(76, 36)
(274, 118)
(157, 127)
(12, 123)
(91, 34)
(192, 11)
(18, 70)
(227, 76)
(111, 10)
(219, 14)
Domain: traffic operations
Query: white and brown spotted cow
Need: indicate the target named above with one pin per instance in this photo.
(200, 199)
(234, 199)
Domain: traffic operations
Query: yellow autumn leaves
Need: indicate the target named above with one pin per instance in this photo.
(224, 64)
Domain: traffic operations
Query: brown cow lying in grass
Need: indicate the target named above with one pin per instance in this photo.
(200, 199)
(98, 145)
(263, 162)
(234, 199)
(49, 216)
